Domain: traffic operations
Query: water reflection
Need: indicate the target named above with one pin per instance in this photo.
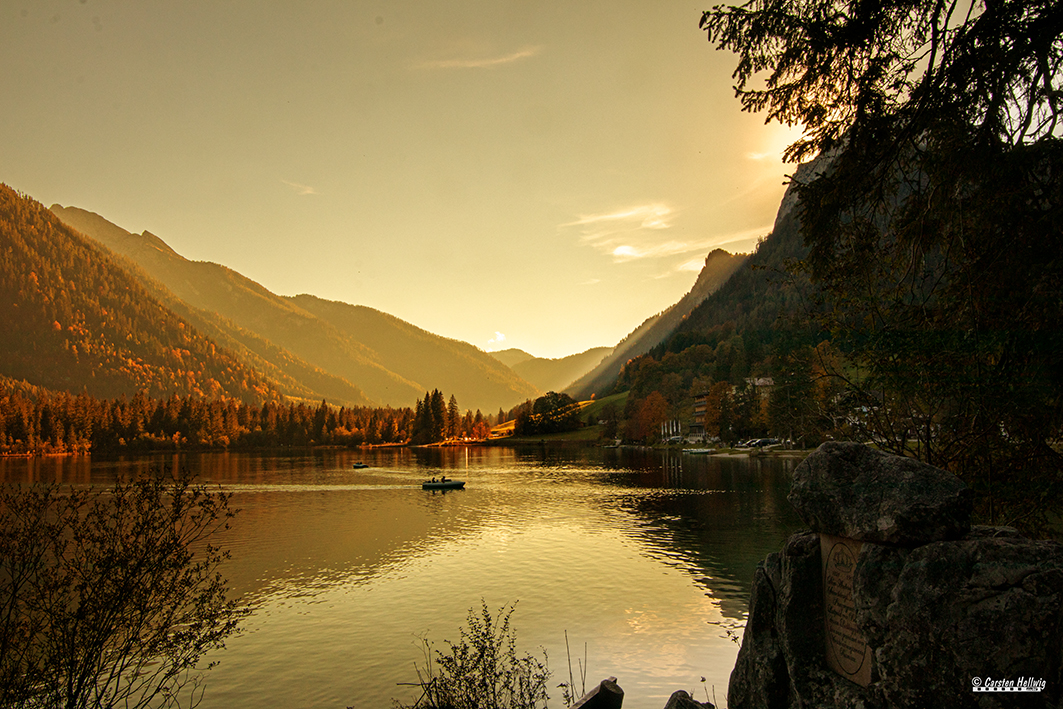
(641, 554)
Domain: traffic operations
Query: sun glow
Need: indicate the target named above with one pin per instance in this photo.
(777, 138)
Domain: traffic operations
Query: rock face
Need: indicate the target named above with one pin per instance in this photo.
(942, 616)
(850, 490)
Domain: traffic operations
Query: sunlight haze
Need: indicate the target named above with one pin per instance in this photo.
(511, 174)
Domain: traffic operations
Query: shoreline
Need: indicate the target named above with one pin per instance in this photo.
(510, 441)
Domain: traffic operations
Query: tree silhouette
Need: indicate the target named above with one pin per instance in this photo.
(932, 219)
(111, 599)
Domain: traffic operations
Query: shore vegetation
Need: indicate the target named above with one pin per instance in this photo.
(111, 597)
(482, 669)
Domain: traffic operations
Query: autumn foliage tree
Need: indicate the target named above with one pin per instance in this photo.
(648, 416)
(39, 421)
(551, 413)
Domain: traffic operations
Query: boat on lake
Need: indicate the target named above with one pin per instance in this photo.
(443, 485)
(360, 466)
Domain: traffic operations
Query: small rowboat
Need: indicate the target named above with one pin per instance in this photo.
(360, 466)
(448, 485)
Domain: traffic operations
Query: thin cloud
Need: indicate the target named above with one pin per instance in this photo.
(648, 216)
(482, 62)
(641, 233)
(628, 233)
(695, 265)
(736, 242)
(626, 252)
(747, 238)
(300, 189)
(497, 339)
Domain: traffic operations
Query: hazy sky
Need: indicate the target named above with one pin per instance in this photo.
(547, 173)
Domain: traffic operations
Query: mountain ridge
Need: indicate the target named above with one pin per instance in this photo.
(719, 267)
(338, 351)
(81, 323)
(552, 374)
(511, 356)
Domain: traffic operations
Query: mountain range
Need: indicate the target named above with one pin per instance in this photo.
(551, 374)
(356, 354)
(99, 309)
(74, 320)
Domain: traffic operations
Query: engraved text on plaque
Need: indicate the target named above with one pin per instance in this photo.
(846, 649)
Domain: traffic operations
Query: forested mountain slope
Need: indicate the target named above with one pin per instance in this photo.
(293, 376)
(753, 346)
(283, 332)
(761, 292)
(719, 265)
(73, 320)
(476, 378)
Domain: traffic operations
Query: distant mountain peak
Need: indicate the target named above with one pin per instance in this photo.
(557, 374)
(512, 356)
(719, 266)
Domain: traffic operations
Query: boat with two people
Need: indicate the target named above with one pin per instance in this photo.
(443, 484)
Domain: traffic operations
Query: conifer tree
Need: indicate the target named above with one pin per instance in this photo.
(453, 418)
(438, 408)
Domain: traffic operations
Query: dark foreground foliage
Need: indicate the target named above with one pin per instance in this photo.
(551, 413)
(482, 670)
(111, 597)
(933, 221)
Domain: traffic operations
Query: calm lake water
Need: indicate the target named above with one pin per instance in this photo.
(644, 558)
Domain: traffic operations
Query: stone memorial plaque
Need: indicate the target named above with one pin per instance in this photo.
(846, 649)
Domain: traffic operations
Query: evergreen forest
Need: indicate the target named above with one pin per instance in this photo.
(36, 421)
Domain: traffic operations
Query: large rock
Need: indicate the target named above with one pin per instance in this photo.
(851, 490)
(965, 610)
(938, 618)
(943, 610)
(785, 624)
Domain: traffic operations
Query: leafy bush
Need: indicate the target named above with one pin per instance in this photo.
(482, 670)
(110, 598)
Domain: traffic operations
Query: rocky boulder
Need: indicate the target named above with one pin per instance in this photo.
(851, 490)
(944, 612)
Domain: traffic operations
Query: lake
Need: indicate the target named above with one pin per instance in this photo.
(644, 558)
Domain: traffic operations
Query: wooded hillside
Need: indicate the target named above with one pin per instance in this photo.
(73, 320)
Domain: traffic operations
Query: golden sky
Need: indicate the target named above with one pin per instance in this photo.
(541, 175)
